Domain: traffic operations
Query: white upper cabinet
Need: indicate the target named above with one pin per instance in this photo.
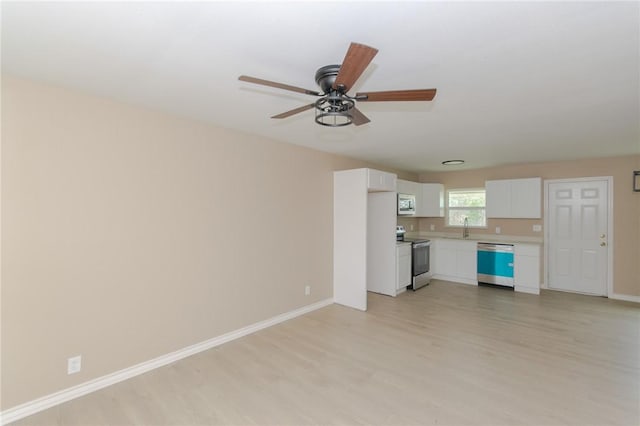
(514, 198)
(429, 197)
(407, 187)
(498, 201)
(526, 198)
(380, 181)
(432, 200)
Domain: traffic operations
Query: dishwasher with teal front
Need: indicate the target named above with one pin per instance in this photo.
(495, 264)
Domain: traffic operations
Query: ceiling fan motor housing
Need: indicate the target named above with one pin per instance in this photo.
(326, 76)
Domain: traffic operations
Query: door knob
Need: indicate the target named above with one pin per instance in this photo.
(603, 244)
(602, 235)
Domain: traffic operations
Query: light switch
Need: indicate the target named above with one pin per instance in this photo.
(498, 230)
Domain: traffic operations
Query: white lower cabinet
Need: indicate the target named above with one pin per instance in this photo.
(455, 260)
(403, 266)
(526, 274)
(467, 261)
(444, 259)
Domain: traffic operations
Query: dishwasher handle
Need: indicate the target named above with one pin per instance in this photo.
(503, 248)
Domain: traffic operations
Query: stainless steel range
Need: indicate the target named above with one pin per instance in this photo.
(420, 259)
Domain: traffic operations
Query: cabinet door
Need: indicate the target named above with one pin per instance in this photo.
(403, 186)
(381, 181)
(514, 198)
(526, 273)
(498, 201)
(466, 262)
(403, 266)
(417, 191)
(432, 202)
(526, 195)
(445, 260)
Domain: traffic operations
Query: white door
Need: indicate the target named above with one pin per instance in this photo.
(578, 240)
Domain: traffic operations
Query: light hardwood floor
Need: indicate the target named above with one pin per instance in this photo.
(448, 354)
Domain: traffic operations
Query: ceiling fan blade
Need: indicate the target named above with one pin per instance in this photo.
(294, 111)
(358, 57)
(397, 95)
(358, 117)
(278, 85)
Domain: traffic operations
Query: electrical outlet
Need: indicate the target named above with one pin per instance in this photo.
(498, 230)
(537, 228)
(74, 364)
(411, 226)
(307, 290)
(432, 227)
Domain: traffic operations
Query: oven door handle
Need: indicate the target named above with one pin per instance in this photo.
(420, 245)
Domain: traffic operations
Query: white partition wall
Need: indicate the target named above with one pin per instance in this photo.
(350, 238)
(363, 235)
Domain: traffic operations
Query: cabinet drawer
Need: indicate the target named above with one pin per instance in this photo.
(527, 250)
(403, 250)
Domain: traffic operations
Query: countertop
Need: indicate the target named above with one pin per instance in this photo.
(489, 238)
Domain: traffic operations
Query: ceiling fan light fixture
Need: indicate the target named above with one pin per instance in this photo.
(452, 162)
(334, 110)
(333, 119)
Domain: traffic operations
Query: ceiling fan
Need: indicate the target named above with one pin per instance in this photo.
(334, 107)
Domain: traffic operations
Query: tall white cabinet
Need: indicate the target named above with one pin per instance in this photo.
(364, 242)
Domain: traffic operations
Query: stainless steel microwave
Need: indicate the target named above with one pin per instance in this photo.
(406, 204)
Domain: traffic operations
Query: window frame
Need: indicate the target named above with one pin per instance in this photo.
(447, 207)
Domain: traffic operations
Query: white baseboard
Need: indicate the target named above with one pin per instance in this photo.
(454, 279)
(530, 290)
(625, 297)
(48, 401)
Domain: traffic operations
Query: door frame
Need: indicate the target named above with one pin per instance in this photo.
(610, 245)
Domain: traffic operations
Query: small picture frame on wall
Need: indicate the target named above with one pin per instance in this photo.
(636, 181)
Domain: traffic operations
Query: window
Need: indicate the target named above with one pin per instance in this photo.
(469, 203)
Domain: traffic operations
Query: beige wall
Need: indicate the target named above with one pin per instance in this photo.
(626, 206)
(128, 234)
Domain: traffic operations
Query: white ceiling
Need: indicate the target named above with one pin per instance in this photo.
(517, 81)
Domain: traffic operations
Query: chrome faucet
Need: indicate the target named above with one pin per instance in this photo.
(465, 229)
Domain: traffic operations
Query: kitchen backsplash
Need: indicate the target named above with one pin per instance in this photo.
(522, 227)
(411, 224)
